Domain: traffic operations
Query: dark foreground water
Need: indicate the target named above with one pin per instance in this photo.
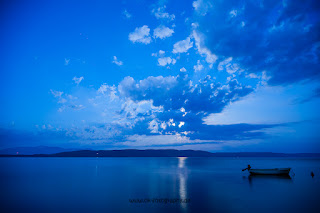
(190, 184)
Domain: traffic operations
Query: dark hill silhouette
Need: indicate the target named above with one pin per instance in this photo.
(33, 150)
(133, 153)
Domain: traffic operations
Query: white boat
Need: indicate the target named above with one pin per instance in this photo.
(276, 171)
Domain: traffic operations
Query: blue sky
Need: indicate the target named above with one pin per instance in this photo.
(208, 75)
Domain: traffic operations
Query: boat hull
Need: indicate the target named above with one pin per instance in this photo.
(278, 171)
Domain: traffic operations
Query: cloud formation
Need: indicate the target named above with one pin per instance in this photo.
(175, 92)
(162, 32)
(126, 14)
(116, 61)
(183, 69)
(141, 35)
(166, 61)
(77, 80)
(160, 13)
(202, 49)
(198, 66)
(174, 106)
(279, 38)
(182, 46)
(201, 6)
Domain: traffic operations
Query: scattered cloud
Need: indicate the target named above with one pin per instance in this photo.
(160, 13)
(252, 75)
(77, 80)
(229, 66)
(184, 105)
(76, 107)
(158, 54)
(141, 35)
(66, 61)
(198, 66)
(173, 93)
(274, 42)
(116, 61)
(202, 49)
(183, 69)
(182, 46)
(154, 126)
(181, 124)
(162, 32)
(285, 43)
(56, 94)
(126, 14)
(233, 13)
(156, 106)
(166, 61)
(201, 6)
(106, 89)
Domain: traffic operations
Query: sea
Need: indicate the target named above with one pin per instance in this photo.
(162, 184)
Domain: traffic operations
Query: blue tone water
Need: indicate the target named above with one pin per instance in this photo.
(107, 184)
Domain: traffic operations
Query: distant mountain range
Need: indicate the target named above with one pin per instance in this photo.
(60, 152)
(33, 150)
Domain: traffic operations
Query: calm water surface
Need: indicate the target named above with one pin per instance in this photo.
(107, 184)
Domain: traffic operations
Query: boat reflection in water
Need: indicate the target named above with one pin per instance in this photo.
(269, 179)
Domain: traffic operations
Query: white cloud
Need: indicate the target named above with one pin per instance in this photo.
(182, 46)
(202, 49)
(183, 69)
(116, 61)
(153, 126)
(150, 140)
(126, 14)
(111, 91)
(66, 61)
(103, 88)
(161, 14)
(160, 53)
(229, 66)
(62, 100)
(183, 110)
(74, 107)
(233, 13)
(166, 61)
(163, 125)
(77, 107)
(252, 75)
(140, 35)
(263, 77)
(56, 94)
(198, 66)
(77, 80)
(224, 62)
(131, 109)
(201, 7)
(171, 122)
(181, 124)
(162, 32)
(71, 97)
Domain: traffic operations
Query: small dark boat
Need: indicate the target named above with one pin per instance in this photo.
(276, 171)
